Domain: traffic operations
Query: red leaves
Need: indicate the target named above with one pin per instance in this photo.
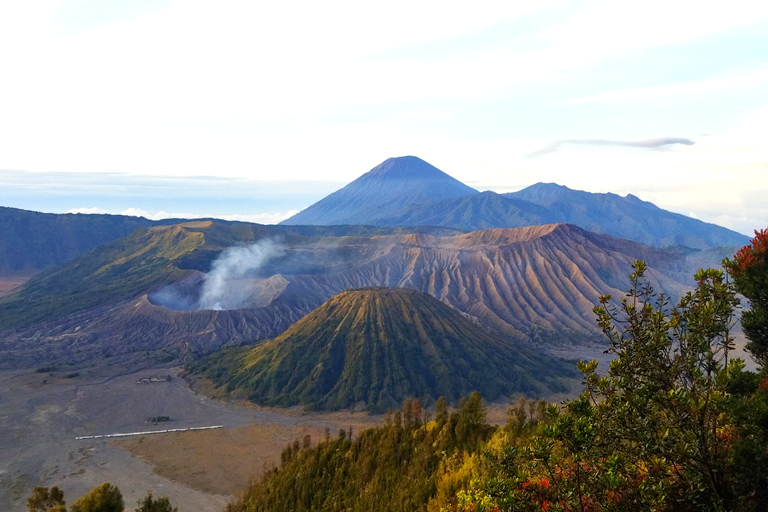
(754, 253)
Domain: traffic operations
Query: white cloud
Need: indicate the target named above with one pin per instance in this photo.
(135, 212)
(87, 210)
(246, 89)
(232, 87)
(261, 218)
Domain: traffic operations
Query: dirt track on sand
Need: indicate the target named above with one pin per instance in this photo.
(41, 414)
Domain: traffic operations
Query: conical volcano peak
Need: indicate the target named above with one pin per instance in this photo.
(383, 191)
(407, 168)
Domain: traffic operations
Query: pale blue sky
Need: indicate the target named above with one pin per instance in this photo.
(285, 101)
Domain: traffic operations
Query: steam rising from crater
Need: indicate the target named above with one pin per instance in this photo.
(225, 286)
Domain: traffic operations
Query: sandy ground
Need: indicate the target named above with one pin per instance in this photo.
(230, 457)
(41, 414)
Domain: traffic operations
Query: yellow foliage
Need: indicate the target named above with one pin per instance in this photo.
(456, 474)
(497, 443)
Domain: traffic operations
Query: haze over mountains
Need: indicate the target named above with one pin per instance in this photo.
(407, 191)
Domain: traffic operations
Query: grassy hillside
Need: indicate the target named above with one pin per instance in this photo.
(120, 270)
(32, 241)
(374, 347)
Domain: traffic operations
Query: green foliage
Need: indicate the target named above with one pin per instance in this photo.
(749, 269)
(377, 346)
(392, 467)
(32, 241)
(150, 504)
(673, 426)
(104, 498)
(43, 499)
(118, 271)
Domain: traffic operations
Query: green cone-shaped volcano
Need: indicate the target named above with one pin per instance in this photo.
(373, 347)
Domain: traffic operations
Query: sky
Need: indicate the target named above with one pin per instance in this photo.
(254, 110)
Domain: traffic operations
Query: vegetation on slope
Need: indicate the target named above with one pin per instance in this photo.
(102, 498)
(389, 468)
(375, 347)
(674, 425)
(33, 241)
(118, 271)
(749, 270)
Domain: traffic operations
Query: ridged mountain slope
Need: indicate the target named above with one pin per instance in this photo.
(384, 190)
(148, 258)
(627, 217)
(526, 281)
(536, 284)
(32, 241)
(119, 270)
(375, 347)
(485, 210)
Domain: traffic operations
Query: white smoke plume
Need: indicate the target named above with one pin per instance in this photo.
(224, 287)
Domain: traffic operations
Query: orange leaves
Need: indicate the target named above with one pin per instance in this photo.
(754, 253)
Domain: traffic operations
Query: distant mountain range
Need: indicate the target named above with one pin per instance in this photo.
(407, 191)
(627, 217)
(375, 347)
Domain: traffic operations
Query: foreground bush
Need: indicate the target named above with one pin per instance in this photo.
(103, 498)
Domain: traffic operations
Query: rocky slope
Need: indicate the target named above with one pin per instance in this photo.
(537, 285)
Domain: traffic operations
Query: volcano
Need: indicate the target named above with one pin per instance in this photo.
(374, 347)
(383, 191)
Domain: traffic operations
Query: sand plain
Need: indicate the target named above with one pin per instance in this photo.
(41, 414)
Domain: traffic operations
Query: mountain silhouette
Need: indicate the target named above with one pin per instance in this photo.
(383, 191)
